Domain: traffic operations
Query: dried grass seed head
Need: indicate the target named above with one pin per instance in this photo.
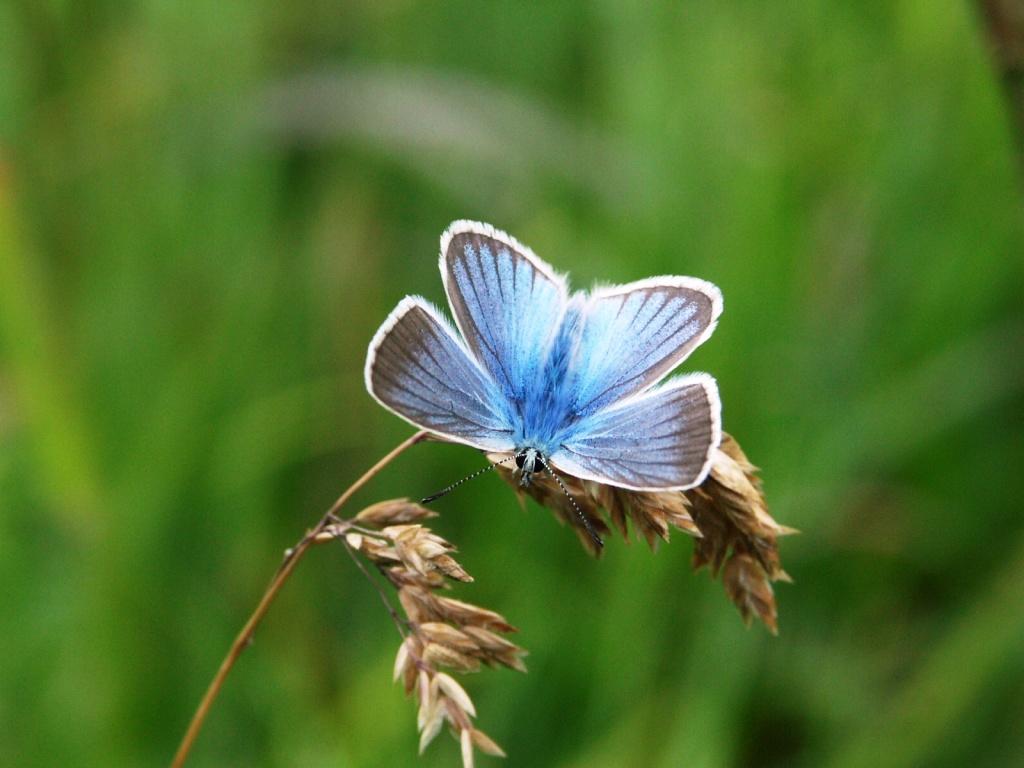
(727, 515)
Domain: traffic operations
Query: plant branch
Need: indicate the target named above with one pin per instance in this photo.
(291, 559)
(399, 625)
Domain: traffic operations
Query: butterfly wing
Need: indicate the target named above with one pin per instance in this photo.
(633, 335)
(507, 303)
(658, 440)
(417, 369)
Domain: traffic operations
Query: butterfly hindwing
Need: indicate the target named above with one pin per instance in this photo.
(633, 335)
(506, 301)
(658, 440)
(417, 369)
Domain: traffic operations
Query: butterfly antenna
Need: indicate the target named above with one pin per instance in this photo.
(457, 483)
(579, 512)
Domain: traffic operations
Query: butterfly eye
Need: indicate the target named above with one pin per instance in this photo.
(520, 460)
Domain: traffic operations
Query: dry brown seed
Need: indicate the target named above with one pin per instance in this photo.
(487, 745)
(489, 641)
(378, 551)
(409, 680)
(466, 742)
(422, 551)
(402, 660)
(394, 512)
(449, 567)
(426, 700)
(396, 532)
(414, 599)
(685, 523)
(429, 547)
(354, 540)
(511, 660)
(401, 576)
(406, 550)
(749, 587)
(455, 692)
(442, 655)
(411, 674)
(431, 726)
(420, 536)
(445, 634)
(605, 496)
(461, 612)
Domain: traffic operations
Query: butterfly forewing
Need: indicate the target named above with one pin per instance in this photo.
(633, 335)
(657, 440)
(506, 301)
(417, 369)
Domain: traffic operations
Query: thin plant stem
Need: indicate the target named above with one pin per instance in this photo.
(399, 625)
(291, 559)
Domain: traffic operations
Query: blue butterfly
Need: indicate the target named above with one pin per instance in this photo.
(553, 378)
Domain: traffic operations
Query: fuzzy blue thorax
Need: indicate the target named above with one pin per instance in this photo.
(544, 407)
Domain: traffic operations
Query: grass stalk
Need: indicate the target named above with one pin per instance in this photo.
(291, 560)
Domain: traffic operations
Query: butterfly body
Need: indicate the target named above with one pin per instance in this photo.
(560, 379)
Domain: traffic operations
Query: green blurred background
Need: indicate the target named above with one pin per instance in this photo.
(206, 209)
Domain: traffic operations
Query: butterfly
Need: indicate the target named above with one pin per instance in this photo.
(572, 381)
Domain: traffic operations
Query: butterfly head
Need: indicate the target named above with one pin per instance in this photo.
(529, 461)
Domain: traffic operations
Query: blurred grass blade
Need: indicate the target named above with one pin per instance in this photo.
(950, 680)
(40, 374)
(419, 116)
